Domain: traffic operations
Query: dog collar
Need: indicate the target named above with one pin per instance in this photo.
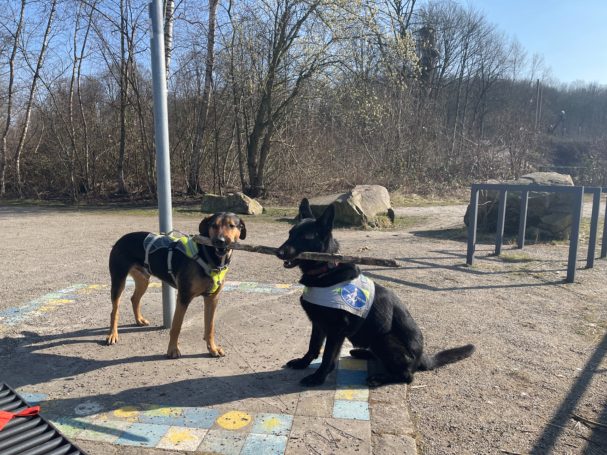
(327, 267)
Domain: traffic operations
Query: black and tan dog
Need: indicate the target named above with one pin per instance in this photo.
(192, 269)
(342, 303)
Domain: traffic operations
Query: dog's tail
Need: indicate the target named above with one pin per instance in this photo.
(445, 357)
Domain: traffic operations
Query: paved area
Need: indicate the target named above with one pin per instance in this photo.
(241, 404)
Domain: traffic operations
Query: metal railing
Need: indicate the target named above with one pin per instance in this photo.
(578, 203)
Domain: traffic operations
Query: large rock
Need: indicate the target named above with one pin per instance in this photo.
(549, 215)
(233, 202)
(358, 207)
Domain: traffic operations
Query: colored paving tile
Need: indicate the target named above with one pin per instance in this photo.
(104, 430)
(160, 415)
(223, 442)
(234, 420)
(33, 398)
(275, 424)
(356, 394)
(348, 363)
(266, 444)
(347, 378)
(143, 435)
(200, 417)
(356, 410)
(70, 427)
(181, 438)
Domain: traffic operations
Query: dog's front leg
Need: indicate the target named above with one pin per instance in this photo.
(329, 357)
(316, 340)
(210, 305)
(180, 309)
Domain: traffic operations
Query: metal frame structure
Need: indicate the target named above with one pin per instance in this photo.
(578, 195)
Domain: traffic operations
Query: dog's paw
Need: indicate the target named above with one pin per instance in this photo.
(217, 352)
(173, 352)
(376, 380)
(298, 364)
(312, 380)
(142, 321)
(111, 339)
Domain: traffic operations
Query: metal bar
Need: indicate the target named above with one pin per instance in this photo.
(501, 219)
(576, 220)
(604, 241)
(594, 227)
(44, 448)
(15, 426)
(522, 223)
(161, 132)
(40, 439)
(472, 222)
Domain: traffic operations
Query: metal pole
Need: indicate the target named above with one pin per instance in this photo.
(501, 218)
(522, 224)
(594, 225)
(604, 241)
(161, 129)
(578, 204)
(472, 220)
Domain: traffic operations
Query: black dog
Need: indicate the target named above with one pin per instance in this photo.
(344, 307)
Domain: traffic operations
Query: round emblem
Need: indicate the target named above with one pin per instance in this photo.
(353, 296)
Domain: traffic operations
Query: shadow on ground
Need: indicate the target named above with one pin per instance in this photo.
(597, 441)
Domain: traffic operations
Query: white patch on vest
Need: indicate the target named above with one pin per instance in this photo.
(354, 296)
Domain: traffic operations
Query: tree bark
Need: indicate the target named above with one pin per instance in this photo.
(30, 101)
(193, 183)
(9, 101)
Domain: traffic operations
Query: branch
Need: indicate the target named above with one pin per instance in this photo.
(307, 255)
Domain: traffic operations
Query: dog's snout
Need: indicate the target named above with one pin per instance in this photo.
(219, 241)
(285, 252)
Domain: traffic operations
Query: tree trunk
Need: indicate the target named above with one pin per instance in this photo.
(32, 93)
(9, 101)
(122, 189)
(193, 183)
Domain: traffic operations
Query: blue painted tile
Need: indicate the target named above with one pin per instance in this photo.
(223, 442)
(199, 417)
(143, 435)
(275, 424)
(346, 409)
(33, 398)
(171, 421)
(266, 444)
(159, 415)
(351, 378)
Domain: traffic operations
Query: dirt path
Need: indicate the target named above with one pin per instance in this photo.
(539, 369)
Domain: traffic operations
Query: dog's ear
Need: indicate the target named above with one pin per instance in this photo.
(203, 227)
(325, 222)
(243, 229)
(304, 209)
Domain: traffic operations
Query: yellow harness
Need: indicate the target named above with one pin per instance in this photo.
(189, 248)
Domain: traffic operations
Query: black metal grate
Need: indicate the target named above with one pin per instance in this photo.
(30, 435)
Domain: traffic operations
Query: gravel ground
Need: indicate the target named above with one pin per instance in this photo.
(536, 383)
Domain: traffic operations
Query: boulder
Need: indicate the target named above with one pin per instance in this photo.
(232, 202)
(549, 215)
(358, 207)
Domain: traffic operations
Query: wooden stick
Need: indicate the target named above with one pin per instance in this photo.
(324, 257)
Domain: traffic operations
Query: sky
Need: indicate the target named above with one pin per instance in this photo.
(571, 35)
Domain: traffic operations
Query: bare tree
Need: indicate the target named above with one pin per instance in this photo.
(10, 97)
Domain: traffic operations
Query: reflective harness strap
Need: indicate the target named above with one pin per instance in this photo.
(191, 251)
